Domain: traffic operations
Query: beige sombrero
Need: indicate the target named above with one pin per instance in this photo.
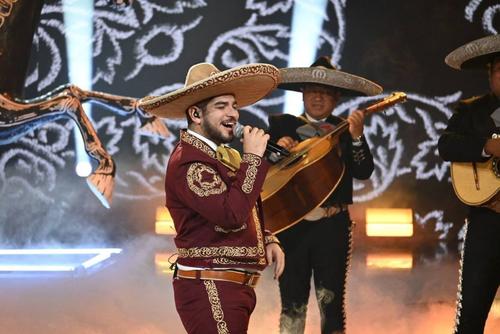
(474, 55)
(248, 84)
(323, 73)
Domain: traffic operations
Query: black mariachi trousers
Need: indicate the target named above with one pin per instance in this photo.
(480, 271)
(320, 249)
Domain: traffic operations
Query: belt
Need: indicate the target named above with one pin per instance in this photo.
(325, 212)
(239, 277)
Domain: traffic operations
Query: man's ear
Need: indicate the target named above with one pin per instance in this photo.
(195, 114)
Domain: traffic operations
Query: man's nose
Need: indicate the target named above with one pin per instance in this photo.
(234, 112)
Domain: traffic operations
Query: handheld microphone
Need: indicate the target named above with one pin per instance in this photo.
(271, 147)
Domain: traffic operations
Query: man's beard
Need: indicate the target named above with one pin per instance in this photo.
(215, 135)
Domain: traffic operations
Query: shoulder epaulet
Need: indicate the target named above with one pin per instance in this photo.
(475, 101)
(471, 99)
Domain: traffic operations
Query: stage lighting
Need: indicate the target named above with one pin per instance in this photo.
(303, 43)
(78, 25)
(53, 260)
(164, 223)
(163, 263)
(495, 308)
(390, 260)
(389, 222)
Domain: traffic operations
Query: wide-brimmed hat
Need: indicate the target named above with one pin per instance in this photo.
(248, 84)
(322, 72)
(476, 54)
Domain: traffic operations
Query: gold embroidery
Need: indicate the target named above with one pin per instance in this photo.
(222, 251)
(5, 10)
(220, 229)
(221, 260)
(195, 179)
(260, 243)
(217, 312)
(253, 162)
(195, 142)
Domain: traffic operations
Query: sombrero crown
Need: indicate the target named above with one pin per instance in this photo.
(476, 54)
(248, 84)
(322, 72)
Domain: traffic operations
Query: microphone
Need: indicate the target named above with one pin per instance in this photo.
(271, 147)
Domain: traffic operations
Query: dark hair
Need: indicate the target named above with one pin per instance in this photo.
(202, 105)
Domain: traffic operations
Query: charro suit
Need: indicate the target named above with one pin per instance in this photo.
(463, 141)
(319, 248)
(218, 219)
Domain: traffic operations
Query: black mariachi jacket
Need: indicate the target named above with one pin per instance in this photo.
(468, 129)
(358, 160)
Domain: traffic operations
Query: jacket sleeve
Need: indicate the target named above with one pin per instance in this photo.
(225, 205)
(458, 143)
(361, 163)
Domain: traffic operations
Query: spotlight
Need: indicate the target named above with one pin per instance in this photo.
(164, 222)
(83, 168)
(390, 260)
(163, 263)
(389, 222)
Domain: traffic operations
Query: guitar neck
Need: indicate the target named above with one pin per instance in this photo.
(344, 125)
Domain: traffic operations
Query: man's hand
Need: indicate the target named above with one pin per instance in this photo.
(254, 140)
(287, 142)
(356, 122)
(492, 147)
(274, 254)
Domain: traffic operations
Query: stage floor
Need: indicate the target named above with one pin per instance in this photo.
(389, 291)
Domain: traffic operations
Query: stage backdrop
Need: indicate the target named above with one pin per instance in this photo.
(146, 49)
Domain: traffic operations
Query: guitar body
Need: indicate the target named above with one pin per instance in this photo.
(303, 181)
(476, 186)
(292, 190)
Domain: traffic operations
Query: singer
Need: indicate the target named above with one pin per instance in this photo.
(213, 197)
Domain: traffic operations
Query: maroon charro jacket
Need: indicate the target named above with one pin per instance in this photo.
(216, 210)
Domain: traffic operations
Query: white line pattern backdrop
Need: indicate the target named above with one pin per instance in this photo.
(155, 35)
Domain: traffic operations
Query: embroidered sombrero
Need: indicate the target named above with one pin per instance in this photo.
(476, 54)
(248, 83)
(324, 73)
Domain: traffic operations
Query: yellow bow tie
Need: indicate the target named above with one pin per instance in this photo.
(228, 156)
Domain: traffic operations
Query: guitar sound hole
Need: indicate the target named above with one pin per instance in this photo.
(496, 167)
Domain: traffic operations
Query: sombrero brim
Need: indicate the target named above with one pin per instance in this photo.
(294, 78)
(248, 84)
(474, 55)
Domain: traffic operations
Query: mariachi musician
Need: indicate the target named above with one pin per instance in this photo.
(320, 244)
(213, 196)
(473, 136)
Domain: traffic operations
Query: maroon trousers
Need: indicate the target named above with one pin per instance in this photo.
(207, 306)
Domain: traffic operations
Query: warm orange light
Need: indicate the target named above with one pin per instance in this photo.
(163, 262)
(495, 308)
(395, 260)
(164, 223)
(389, 222)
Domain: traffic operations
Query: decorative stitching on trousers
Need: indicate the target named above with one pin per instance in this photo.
(460, 272)
(217, 312)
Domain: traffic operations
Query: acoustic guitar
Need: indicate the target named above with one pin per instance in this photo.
(302, 181)
(476, 183)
